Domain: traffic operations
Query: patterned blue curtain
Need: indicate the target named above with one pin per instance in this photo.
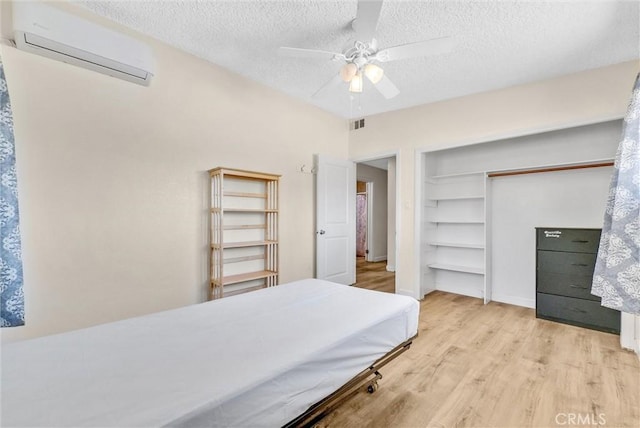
(11, 293)
(617, 274)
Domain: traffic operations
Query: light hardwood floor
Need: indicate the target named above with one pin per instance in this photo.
(498, 366)
(374, 276)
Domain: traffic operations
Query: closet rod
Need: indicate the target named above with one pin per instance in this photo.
(551, 169)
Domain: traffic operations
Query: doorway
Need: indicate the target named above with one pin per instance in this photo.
(362, 213)
(376, 224)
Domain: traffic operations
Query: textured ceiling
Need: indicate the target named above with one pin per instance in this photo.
(499, 43)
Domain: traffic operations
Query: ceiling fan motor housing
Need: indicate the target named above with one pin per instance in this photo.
(360, 53)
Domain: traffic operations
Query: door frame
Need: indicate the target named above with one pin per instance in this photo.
(369, 254)
(383, 155)
(366, 233)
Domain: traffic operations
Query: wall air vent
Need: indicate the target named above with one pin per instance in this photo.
(357, 124)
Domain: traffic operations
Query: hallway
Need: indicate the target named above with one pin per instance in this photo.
(374, 276)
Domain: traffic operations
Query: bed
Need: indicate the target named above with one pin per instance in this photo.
(258, 359)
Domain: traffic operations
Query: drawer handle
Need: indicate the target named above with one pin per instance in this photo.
(580, 241)
(578, 286)
(577, 310)
(579, 264)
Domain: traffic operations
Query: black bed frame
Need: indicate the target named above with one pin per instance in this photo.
(368, 377)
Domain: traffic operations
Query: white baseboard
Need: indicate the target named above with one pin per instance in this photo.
(380, 259)
(630, 332)
(514, 300)
(391, 268)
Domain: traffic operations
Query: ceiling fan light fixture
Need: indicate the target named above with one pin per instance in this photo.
(356, 83)
(373, 73)
(348, 71)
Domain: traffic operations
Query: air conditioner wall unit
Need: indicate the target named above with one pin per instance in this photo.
(53, 33)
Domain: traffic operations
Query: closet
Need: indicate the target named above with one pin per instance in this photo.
(482, 202)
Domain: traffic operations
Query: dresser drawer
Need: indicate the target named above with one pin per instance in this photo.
(578, 264)
(565, 285)
(575, 240)
(580, 312)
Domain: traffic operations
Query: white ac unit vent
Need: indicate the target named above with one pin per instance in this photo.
(53, 33)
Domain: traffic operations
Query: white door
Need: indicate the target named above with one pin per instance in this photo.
(335, 220)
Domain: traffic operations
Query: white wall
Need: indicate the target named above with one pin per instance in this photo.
(378, 201)
(574, 198)
(578, 98)
(520, 203)
(113, 183)
(636, 333)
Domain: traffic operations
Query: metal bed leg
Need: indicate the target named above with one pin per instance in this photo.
(322, 408)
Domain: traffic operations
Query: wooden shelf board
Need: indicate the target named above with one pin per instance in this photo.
(242, 290)
(242, 210)
(243, 174)
(244, 226)
(243, 244)
(243, 259)
(457, 245)
(246, 195)
(248, 276)
(457, 268)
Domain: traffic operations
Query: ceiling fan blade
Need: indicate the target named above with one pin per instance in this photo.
(308, 53)
(412, 50)
(367, 19)
(335, 81)
(387, 88)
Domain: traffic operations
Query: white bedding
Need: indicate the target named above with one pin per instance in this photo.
(256, 359)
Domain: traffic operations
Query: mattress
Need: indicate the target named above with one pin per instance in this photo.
(256, 359)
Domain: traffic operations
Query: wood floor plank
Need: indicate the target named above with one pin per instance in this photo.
(374, 276)
(496, 365)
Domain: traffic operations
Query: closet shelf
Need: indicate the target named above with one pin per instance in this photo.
(457, 268)
(455, 198)
(456, 221)
(457, 245)
(459, 174)
(519, 168)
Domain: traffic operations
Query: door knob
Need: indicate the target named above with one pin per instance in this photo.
(321, 232)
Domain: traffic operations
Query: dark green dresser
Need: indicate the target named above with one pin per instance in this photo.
(565, 260)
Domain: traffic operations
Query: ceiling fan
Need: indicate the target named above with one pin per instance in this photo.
(362, 55)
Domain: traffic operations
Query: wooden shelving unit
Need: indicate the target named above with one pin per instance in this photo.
(243, 231)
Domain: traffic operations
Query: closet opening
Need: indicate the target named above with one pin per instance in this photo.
(481, 204)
